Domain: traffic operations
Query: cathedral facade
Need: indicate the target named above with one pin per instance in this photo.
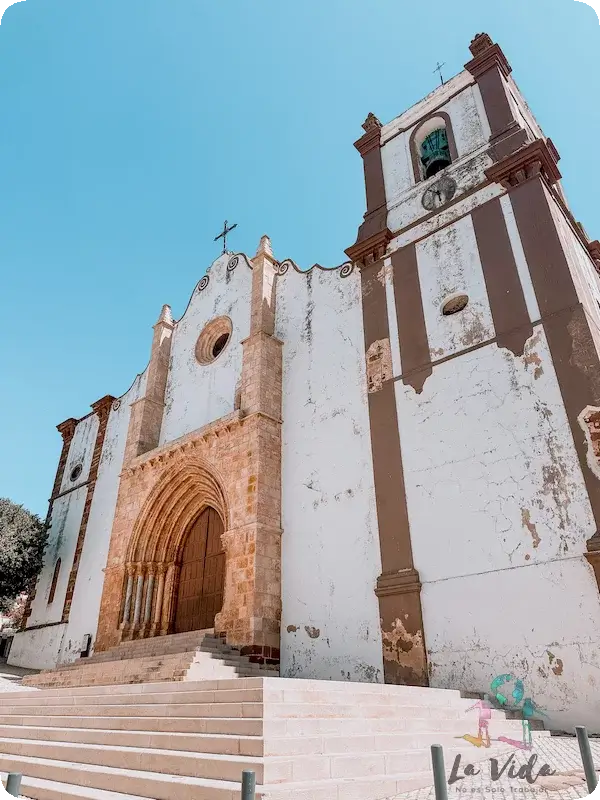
(385, 471)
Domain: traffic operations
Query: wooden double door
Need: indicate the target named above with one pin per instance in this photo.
(202, 575)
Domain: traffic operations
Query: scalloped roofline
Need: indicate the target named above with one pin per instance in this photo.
(281, 268)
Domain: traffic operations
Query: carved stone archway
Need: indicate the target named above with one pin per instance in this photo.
(152, 561)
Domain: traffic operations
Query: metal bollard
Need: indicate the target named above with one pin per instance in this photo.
(248, 785)
(439, 772)
(586, 757)
(13, 783)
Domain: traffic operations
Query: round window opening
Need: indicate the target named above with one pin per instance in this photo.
(454, 305)
(213, 339)
(76, 472)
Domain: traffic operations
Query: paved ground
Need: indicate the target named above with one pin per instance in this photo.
(560, 753)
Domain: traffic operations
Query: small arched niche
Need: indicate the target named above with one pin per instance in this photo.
(432, 146)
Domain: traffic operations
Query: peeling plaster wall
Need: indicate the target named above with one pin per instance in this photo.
(470, 132)
(81, 451)
(85, 608)
(330, 550)
(198, 394)
(428, 104)
(449, 264)
(522, 111)
(585, 277)
(62, 540)
(37, 649)
(498, 509)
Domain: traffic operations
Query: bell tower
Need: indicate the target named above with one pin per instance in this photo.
(481, 317)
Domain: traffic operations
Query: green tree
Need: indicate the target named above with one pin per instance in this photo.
(23, 538)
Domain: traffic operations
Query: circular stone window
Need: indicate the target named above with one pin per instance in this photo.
(75, 473)
(213, 340)
(454, 305)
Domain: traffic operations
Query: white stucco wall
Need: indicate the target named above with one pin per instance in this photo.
(585, 277)
(39, 648)
(198, 394)
(330, 549)
(497, 505)
(85, 608)
(80, 452)
(456, 248)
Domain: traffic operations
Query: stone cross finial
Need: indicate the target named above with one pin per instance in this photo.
(371, 122)
(480, 43)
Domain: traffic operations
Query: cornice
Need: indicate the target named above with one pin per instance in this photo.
(168, 452)
(367, 251)
(536, 158)
(371, 137)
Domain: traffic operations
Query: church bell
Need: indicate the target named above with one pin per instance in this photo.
(435, 152)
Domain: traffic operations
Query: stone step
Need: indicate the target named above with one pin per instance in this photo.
(129, 781)
(220, 767)
(283, 710)
(157, 650)
(170, 667)
(228, 744)
(249, 726)
(231, 694)
(39, 789)
(237, 726)
(355, 690)
(213, 766)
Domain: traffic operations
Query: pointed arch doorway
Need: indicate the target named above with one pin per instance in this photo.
(202, 574)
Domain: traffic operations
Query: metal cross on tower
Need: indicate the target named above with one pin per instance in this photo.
(223, 235)
(439, 69)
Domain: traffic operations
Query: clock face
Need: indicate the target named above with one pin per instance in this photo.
(439, 193)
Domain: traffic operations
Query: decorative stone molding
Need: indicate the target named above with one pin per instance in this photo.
(396, 583)
(344, 269)
(67, 429)
(179, 447)
(235, 260)
(371, 138)
(593, 555)
(594, 251)
(534, 159)
(486, 56)
(370, 250)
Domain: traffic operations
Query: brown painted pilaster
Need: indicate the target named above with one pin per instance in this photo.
(398, 587)
(102, 409)
(373, 233)
(570, 341)
(412, 331)
(67, 431)
(505, 292)
(490, 67)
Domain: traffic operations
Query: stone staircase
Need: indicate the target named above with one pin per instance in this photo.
(185, 740)
(194, 656)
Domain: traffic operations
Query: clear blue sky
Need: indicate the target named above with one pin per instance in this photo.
(132, 128)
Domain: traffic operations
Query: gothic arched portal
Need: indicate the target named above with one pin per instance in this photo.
(175, 568)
